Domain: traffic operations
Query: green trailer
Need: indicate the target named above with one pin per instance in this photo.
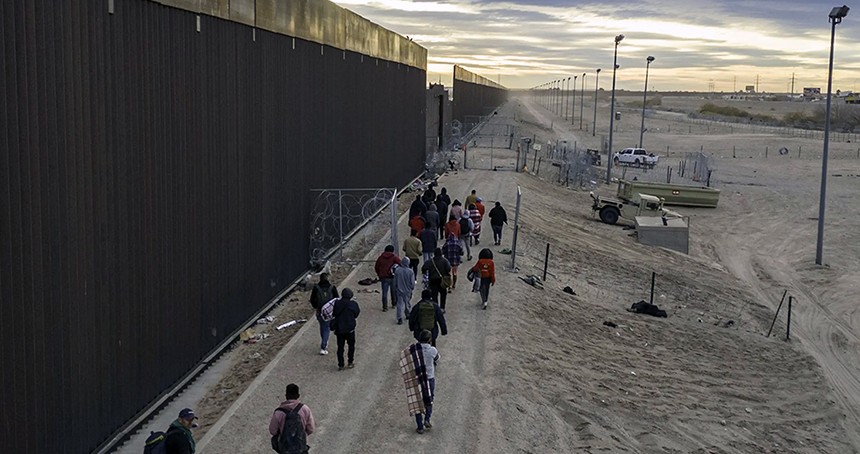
(672, 194)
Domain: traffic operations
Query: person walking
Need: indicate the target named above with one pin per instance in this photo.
(486, 271)
(178, 438)
(412, 249)
(431, 216)
(438, 272)
(466, 226)
(456, 209)
(429, 194)
(417, 208)
(443, 201)
(452, 228)
(322, 293)
(404, 284)
(476, 217)
(345, 312)
(427, 315)
(384, 270)
(292, 423)
(428, 242)
(498, 219)
(453, 252)
(471, 199)
(418, 366)
(417, 223)
(479, 204)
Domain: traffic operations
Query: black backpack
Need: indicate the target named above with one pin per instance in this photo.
(155, 443)
(292, 438)
(464, 225)
(324, 295)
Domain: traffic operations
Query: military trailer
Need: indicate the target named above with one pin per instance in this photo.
(672, 194)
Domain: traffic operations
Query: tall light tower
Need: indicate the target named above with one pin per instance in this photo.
(573, 99)
(612, 110)
(596, 85)
(836, 15)
(581, 99)
(567, 105)
(644, 100)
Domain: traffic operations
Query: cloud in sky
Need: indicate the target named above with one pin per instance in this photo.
(695, 42)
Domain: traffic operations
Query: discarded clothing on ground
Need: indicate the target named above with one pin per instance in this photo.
(568, 289)
(533, 280)
(368, 281)
(643, 307)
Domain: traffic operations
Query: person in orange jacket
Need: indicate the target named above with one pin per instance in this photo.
(485, 270)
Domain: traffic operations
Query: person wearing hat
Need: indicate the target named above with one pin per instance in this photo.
(479, 204)
(178, 439)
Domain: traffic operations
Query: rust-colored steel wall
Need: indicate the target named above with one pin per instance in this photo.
(154, 194)
(475, 96)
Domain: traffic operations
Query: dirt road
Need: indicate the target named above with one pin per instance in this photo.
(540, 371)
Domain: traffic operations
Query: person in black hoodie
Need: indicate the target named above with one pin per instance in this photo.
(418, 207)
(322, 293)
(498, 219)
(345, 312)
(443, 201)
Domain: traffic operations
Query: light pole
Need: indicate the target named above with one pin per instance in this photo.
(836, 15)
(644, 99)
(573, 99)
(596, 84)
(612, 110)
(567, 106)
(581, 99)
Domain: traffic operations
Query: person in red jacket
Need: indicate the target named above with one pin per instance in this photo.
(384, 270)
(485, 270)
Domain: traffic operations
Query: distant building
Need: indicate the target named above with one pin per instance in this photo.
(811, 93)
(750, 89)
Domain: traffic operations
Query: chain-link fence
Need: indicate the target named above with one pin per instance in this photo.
(336, 216)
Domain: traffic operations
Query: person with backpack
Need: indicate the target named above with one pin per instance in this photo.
(438, 277)
(404, 284)
(343, 324)
(427, 315)
(384, 268)
(322, 293)
(466, 226)
(178, 438)
(498, 219)
(485, 270)
(418, 367)
(291, 424)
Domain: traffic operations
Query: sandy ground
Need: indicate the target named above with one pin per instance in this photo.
(540, 372)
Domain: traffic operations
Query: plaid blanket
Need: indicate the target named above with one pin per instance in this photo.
(327, 310)
(414, 373)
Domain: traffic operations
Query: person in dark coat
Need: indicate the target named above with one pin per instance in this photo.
(498, 219)
(345, 312)
(443, 200)
(428, 242)
(436, 269)
(427, 315)
(431, 216)
(178, 438)
(417, 208)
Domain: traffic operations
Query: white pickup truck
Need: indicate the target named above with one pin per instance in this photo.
(635, 156)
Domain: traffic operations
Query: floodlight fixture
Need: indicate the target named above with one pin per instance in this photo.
(837, 13)
(621, 37)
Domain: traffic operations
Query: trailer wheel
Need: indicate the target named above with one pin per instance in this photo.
(609, 215)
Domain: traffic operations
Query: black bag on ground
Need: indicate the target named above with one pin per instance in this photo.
(292, 438)
(643, 307)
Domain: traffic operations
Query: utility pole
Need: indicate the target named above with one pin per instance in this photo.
(756, 83)
(792, 87)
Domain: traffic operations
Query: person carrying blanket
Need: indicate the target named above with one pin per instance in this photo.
(418, 366)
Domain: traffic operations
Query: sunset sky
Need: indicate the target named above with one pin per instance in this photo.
(696, 43)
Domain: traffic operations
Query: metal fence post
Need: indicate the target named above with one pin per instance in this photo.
(516, 231)
(394, 219)
(340, 221)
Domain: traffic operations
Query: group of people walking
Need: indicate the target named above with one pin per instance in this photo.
(433, 252)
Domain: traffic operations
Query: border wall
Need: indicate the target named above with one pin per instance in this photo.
(475, 97)
(155, 175)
